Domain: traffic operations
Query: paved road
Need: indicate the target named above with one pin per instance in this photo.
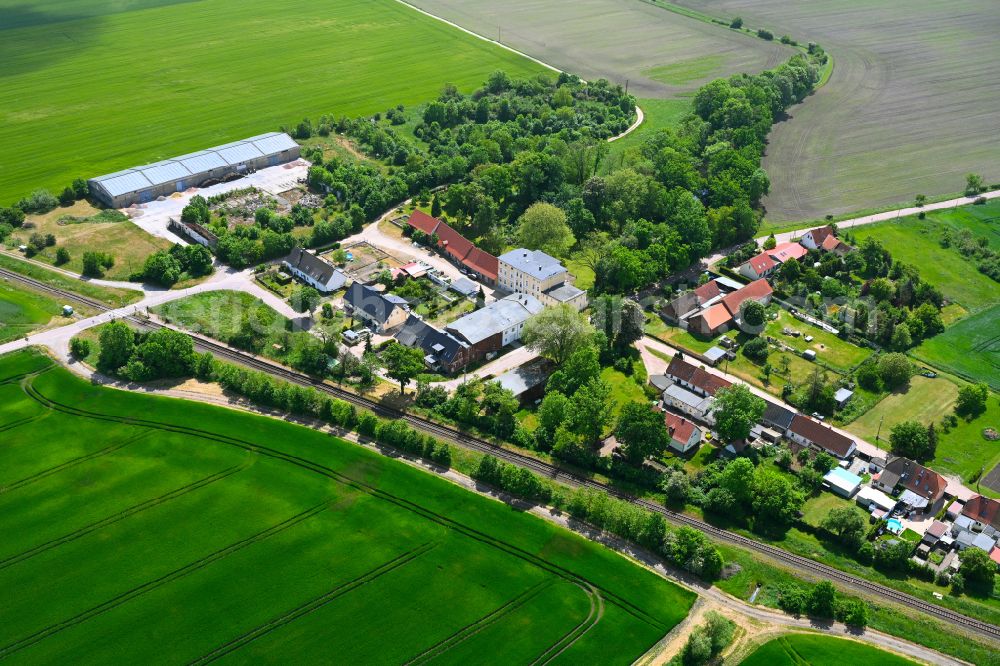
(871, 219)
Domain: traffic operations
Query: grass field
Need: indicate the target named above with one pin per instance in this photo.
(112, 296)
(970, 348)
(812, 650)
(83, 94)
(658, 114)
(229, 535)
(907, 110)
(660, 54)
(123, 240)
(23, 310)
(925, 400)
(830, 349)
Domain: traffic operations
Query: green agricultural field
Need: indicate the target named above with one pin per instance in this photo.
(137, 527)
(970, 348)
(90, 86)
(909, 107)
(659, 54)
(23, 310)
(812, 650)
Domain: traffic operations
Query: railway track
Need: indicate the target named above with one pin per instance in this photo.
(796, 562)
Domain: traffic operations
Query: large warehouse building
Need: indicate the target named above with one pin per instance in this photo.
(145, 183)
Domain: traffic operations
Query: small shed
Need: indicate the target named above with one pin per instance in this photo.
(809, 354)
(870, 497)
(464, 286)
(714, 355)
(842, 396)
(842, 482)
(67, 310)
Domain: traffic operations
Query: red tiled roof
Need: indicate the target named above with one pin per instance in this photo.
(482, 262)
(822, 436)
(761, 263)
(832, 243)
(707, 291)
(708, 382)
(924, 482)
(820, 234)
(424, 222)
(679, 427)
(995, 554)
(454, 243)
(757, 290)
(716, 316)
(983, 510)
(782, 252)
(681, 369)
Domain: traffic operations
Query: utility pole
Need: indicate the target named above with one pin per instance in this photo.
(626, 86)
(879, 432)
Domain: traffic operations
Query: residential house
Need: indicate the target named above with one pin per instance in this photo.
(536, 273)
(455, 246)
(833, 244)
(711, 322)
(725, 314)
(693, 378)
(934, 533)
(684, 435)
(314, 271)
(692, 404)
(688, 303)
(782, 252)
(777, 417)
(493, 327)
(873, 499)
(442, 351)
(922, 488)
(814, 238)
(381, 312)
(808, 432)
(759, 266)
(983, 514)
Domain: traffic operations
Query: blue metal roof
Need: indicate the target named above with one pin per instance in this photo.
(164, 172)
(240, 153)
(127, 182)
(205, 160)
(275, 142)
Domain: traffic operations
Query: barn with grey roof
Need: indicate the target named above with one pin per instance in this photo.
(160, 179)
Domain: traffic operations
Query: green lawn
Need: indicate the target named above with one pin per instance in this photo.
(965, 451)
(658, 114)
(137, 527)
(23, 310)
(813, 650)
(624, 388)
(91, 87)
(925, 400)
(816, 508)
(917, 242)
(112, 296)
(830, 349)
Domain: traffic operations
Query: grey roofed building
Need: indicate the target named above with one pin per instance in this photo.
(777, 417)
(527, 380)
(564, 293)
(842, 396)
(372, 306)
(464, 286)
(681, 394)
(145, 183)
(535, 263)
(660, 382)
(440, 349)
(984, 542)
(714, 354)
(314, 271)
(498, 317)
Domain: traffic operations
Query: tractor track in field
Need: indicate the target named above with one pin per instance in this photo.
(122, 515)
(556, 473)
(314, 604)
(373, 491)
(483, 623)
(38, 476)
(576, 633)
(159, 582)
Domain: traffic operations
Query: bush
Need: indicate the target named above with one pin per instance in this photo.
(765, 34)
(756, 350)
(79, 348)
(39, 201)
(95, 263)
(736, 23)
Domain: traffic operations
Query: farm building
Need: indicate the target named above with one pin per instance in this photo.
(161, 179)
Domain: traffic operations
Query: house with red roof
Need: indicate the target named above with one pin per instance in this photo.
(984, 514)
(833, 244)
(758, 290)
(813, 239)
(456, 246)
(684, 435)
(782, 252)
(759, 266)
(711, 322)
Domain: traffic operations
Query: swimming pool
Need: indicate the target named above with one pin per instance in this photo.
(894, 526)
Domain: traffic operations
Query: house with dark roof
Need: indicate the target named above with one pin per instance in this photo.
(527, 382)
(314, 271)
(922, 488)
(690, 302)
(442, 351)
(808, 432)
(456, 246)
(777, 417)
(759, 266)
(684, 435)
(382, 312)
